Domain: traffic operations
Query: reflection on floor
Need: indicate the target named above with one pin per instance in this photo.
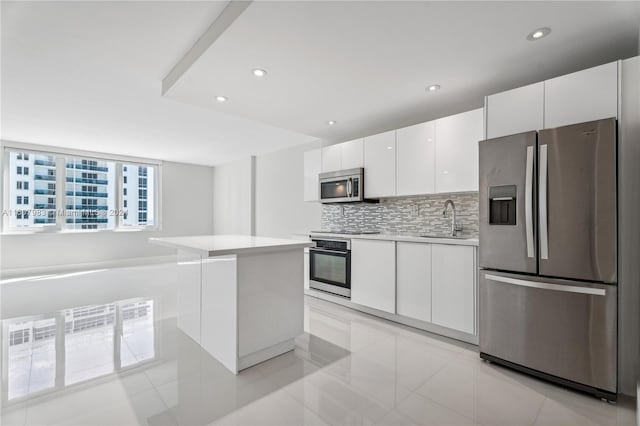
(348, 368)
(51, 351)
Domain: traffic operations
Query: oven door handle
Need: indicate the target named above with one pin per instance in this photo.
(321, 250)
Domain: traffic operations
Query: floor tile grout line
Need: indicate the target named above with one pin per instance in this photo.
(546, 398)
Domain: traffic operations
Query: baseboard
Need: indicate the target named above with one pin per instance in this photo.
(262, 355)
(422, 325)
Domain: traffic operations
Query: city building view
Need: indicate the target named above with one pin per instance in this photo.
(90, 193)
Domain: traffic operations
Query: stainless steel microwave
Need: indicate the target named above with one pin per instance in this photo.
(344, 186)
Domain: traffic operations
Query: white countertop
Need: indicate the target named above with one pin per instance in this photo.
(221, 245)
(407, 238)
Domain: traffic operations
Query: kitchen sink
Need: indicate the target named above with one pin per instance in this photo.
(457, 237)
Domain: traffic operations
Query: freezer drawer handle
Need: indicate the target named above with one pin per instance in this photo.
(544, 230)
(548, 286)
(528, 202)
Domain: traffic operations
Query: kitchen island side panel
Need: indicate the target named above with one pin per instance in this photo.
(270, 300)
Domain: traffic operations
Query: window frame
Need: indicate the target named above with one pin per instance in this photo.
(61, 155)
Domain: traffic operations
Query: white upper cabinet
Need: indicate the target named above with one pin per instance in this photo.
(332, 158)
(380, 165)
(415, 159)
(373, 274)
(457, 139)
(312, 167)
(352, 154)
(515, 111)
(453, 286)
(413, 264)
(587, 95)
(343, 156)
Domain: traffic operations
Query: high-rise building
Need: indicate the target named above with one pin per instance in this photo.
(89, 194)
(33, 189)
(137, 198)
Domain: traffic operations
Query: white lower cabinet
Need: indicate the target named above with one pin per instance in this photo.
(373, 274)
(414, 280)
(453, 287)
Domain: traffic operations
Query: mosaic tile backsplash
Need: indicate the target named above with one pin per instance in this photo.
(405, 216)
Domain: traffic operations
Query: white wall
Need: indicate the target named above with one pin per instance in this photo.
(280, 209)
(233, 198)
(628, 227)
(187, 206)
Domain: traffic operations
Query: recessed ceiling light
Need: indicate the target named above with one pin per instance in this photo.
(332, 122)
(389, 147)
(539, 33)
(221, 98)
(259, 72)
(433, 87)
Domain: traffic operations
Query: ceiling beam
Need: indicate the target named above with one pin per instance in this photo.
(230, 13)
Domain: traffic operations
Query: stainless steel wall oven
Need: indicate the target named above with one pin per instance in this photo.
(330, 266)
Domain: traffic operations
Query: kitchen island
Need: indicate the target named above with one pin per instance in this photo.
(240, 297)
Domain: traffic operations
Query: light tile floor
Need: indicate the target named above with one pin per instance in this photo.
(349, 369)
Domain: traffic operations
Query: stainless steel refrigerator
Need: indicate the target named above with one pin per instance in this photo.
(548, 239)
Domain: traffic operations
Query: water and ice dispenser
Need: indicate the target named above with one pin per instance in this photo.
(502, 205)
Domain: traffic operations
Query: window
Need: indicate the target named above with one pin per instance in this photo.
(19, 214)
(143, 215)
(90, 197)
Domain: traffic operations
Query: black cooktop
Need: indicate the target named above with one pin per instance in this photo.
(345, 232)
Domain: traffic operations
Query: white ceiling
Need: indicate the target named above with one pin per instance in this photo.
(366, 64)
(87, 75)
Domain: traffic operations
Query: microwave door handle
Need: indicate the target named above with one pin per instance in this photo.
(349, 187)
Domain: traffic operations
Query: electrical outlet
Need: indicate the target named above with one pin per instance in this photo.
(414, 209)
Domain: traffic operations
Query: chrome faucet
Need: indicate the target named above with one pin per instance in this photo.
(454, 226)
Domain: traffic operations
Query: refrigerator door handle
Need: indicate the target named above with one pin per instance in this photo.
(528, 202)
(547, 286)
(544, 233)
